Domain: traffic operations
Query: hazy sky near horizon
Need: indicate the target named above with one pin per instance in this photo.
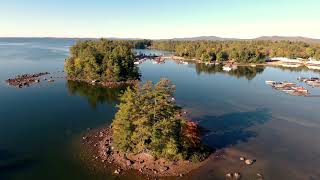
(159, 18)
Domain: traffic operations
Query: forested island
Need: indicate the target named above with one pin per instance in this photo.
(149, 120)
(151, 134)
(103, 61)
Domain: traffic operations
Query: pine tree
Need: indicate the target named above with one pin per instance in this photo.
(122, 125)
(148, 120)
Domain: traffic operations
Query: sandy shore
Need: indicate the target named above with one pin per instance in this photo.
(98, 145)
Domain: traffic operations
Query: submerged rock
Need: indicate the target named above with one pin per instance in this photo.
(228, 175)
(237, 175)
(249, 162)
(117, 171)
(260, 177)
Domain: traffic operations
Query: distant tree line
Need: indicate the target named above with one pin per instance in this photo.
(252, 51)
(102, 60)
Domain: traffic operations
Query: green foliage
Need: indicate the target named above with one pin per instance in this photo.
(123, 125)
(310, 52)
(208, 56)
(222, 56)
(241, 51)
(102, 60)
(148, 120)
(142, 44)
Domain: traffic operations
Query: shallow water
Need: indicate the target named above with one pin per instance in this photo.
(243, 116)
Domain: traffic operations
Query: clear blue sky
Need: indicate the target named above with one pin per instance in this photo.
(159, 18)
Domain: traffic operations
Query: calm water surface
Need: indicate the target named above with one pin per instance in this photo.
(38, 125)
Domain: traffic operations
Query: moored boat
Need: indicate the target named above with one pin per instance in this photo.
(288, 90)
(313, 81)
(300, 89)
(278, 85)
(226, 68)
(288, 84)
(229, 67)
(270, 82)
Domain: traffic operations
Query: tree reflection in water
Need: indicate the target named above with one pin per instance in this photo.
(95, 94)
(242, 71)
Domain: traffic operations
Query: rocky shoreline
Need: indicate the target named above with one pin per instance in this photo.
(98, 144)
(107, 84)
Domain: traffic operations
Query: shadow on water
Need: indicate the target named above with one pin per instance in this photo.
(229, 129)
(242, 71)
(9, 162)
(95, 94)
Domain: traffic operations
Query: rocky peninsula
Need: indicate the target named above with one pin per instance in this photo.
(149, 134)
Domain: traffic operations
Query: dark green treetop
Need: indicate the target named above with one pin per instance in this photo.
(149, 121)
(102, 60)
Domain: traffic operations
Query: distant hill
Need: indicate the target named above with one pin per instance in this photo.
(289, 38)
(199, 38)
(205, 38)
(265, 38)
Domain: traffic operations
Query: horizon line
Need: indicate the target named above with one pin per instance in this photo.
(133, 38)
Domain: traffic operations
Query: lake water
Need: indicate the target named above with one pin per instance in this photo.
(243, 116)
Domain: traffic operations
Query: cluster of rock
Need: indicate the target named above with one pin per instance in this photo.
(247, 161)
(25, 80)
(237, 175)
(139, 162)
(144, 163)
